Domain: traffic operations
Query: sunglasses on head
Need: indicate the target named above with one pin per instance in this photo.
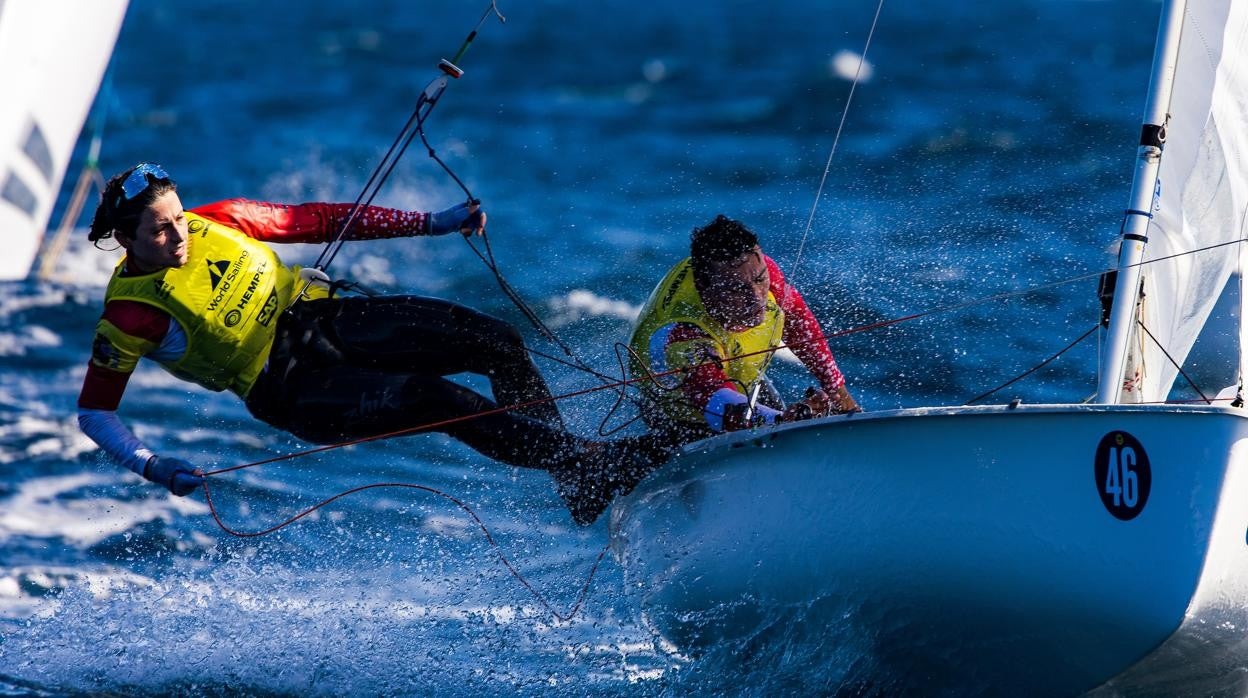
(136, 182)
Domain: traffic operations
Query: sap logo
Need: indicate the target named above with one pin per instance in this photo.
(269, 311)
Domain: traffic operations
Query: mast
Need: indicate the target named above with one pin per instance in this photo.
(1139, 212)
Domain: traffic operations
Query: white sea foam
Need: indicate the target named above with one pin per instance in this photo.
(38, 510)
(372, 270)
(654, 70)
(580, 303)
(450, 526)
(16, 303)
(29, 590)
(31, 435)
(26, 339)
(265, 627)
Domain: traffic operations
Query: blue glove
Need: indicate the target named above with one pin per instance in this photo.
(465, 218)
(174, 473)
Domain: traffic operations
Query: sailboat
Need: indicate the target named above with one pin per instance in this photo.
(1048, 546)
(54, 56)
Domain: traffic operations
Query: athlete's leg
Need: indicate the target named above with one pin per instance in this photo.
(310, 392)
(412, 334)
(341, 403)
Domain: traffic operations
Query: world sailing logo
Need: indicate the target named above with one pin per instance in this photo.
(222, 275)
(216, 270)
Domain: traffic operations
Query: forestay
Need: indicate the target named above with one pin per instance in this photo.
(1202, 193)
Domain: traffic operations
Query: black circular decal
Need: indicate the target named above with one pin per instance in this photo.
(1123, 476)
(196, 227)
(233, 317)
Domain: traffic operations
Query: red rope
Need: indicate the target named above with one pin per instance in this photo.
(580, 599)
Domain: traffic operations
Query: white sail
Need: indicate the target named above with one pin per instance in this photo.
(1202, 190)
(54, 54)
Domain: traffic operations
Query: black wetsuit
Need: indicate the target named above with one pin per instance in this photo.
(352, 367)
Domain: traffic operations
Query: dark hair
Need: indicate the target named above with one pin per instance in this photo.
(723, 240)
(119, 216)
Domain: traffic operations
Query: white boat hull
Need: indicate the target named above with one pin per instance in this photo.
(979, 540)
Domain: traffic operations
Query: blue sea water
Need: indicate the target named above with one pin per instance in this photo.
(988, 152)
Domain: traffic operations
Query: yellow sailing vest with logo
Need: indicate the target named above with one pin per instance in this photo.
(676, 299)
(227, 298)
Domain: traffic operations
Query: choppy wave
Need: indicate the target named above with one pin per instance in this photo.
(579, 304)
(54, 508)
(258, 624)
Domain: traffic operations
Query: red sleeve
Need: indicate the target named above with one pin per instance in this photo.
(802, 332)
(111, 365)
(102, 388)
(706, 375)
(314, 222)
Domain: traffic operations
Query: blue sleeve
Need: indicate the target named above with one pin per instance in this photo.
(104, 427)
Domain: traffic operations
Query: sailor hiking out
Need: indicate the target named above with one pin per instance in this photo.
(201, 293)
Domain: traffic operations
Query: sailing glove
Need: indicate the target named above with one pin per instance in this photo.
(467, 218)
(174, 473)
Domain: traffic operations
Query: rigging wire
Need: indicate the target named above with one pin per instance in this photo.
(1175, 363)
(1243, 287)
(508, 290)
(89, 180)
(823, 179)
(1035, 368)
(425, 103)
(413, 128)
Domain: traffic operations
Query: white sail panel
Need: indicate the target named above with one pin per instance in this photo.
(1202, 189)
(54, 55)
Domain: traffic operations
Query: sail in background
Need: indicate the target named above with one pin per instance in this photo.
(54, 55)
(1203, 191)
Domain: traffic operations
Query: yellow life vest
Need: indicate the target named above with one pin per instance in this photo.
(676, 299)
(227, 298)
